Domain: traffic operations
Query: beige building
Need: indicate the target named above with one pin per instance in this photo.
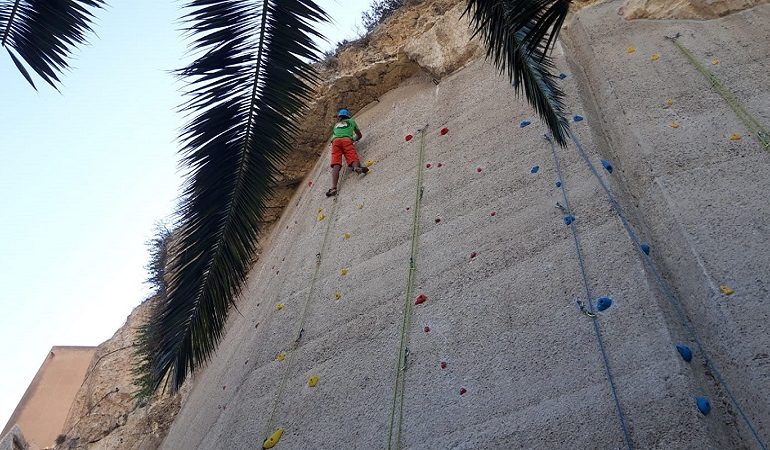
(43, 409)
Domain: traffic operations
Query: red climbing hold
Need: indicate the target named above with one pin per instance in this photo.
(462, 391)
(420, 299)
(429, 165)
(439, 165)
(478, 169)
(473, 255)
(408, 137)
(493, 213)
(426, 329)
(309, 183)
(444, 131)
(437, 219)
(443, 364)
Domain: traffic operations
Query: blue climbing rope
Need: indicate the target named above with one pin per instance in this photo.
(668, 293)
(591, 314)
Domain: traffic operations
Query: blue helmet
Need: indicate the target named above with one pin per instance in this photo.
(344, 113)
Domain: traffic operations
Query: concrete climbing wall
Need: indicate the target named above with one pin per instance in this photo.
(500, 356)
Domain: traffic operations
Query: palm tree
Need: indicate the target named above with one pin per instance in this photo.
(248, 85)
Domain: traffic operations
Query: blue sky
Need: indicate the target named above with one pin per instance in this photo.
(84, 176)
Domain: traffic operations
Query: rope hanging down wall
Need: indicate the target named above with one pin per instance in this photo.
(397, 410)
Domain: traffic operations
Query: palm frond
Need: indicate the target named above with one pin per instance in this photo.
(248, 84)
(43, 33)
(519, 36)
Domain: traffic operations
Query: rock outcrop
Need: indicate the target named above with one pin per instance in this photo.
(105, 413)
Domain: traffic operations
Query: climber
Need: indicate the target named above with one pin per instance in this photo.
(345, 132)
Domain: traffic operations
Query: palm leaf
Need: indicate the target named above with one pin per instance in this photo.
(519, 36)
(43, 33)
(249, 83)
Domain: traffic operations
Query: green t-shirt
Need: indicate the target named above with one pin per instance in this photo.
(345, 128)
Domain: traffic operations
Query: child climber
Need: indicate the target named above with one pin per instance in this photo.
(345, 132)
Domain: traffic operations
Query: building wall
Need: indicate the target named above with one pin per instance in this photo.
(42, 410)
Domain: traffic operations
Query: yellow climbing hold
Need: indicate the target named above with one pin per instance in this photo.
(343, 271)
(312, 381)
(726, 290)
(669, 103)
(273, 439)
(281, 356)
(337, 295)
(346, 236)
(714, 62)
(278, 306)
(735, 137)
(630, 50)
(360, 206)
(369, 163)
(673, 124)
(321, 216)
(655, 57)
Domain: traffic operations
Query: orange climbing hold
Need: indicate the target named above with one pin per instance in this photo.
(420, 299)
(735, 137)
(674, 124)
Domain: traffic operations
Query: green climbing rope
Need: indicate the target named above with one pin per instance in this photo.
(397, 411)
(751, 123)
(291, 352)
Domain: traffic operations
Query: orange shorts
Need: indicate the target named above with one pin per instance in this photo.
(345, 147)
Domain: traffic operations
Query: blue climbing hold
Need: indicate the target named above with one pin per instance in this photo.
(684, 351)
(578, 118)
(558, 184)
(645, 248)
(607, 165)
(524, 123)
(534, 169)
(704, 405)
(569, 219)
(603, 303)
(562, 75)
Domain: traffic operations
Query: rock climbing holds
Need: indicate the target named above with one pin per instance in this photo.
(603, 303)
(321, 216)
(346, 236)
(437, 219)
(420, 299)
(463, 391)
(426, 329)
(473, 255)
(343, 271)
(493, 213)
(428, 166)
(655, 57)
(726, 290)
(558, 184)
(360, 206)
(630, 50)
(279, 306)
(704, 405)
(684, 352)
(668, 104)
(524, 123)
(735, 137)
(444, 131)
(714, 62)
(578, 118)
(478, 169)
(562, 76)
(281, 356)
(312, 381)
(645, 248)
(439, 165)
(607, 166)
(443, 364)
(273, 439)
(310, 183)
(408, 137)
(534, 169)
(568, 219)
(369, 163)
(337, 295)
(674, 124)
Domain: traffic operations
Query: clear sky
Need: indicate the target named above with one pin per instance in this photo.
(84, 176)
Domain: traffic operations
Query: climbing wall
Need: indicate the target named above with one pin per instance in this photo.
(451, 297)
